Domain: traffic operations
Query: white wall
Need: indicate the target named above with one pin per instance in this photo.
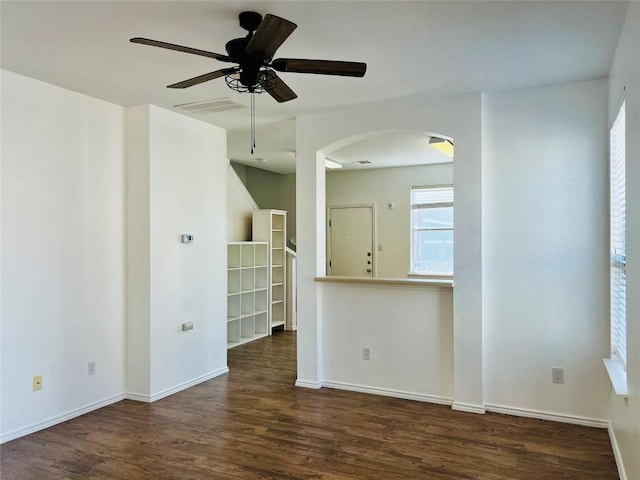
(537, 297)
(62, 253)
(625, 73)
(274, 190)
(545, 248)
(456, 117)
(411, 354)
(240, 207)
(187, 185)
(379, 187)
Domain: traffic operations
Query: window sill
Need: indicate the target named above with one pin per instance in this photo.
(617, 375)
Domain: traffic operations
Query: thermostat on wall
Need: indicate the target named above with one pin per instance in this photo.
(186, 238)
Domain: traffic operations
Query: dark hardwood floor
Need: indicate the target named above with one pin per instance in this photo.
(254, 424)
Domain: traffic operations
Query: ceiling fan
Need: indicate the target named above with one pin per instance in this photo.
(256, 69)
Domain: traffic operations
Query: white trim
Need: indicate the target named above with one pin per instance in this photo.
(616, 453)
(137, 397)
(617, 375)
(170, 391)
(542, 415)
(468, 407)
(307, 384)
(34, 427)
(388, 392)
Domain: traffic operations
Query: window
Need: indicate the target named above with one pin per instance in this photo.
(618, 239)
(432, 230)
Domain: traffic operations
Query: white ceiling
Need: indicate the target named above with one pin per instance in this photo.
(382, 149)
(388, 150)
(437, 48)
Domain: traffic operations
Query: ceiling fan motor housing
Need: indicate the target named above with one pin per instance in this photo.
(250, 20)
(250, 65)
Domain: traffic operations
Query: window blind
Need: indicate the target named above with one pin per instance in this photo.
(618, 239)
(422, 197)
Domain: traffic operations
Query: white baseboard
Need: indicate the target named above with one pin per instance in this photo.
(170, 391)
(616, 453)
(307, 384)
(21, 432)
(468, 407)
(138, 397)
(50, 422)
(388, 392)
(554, 417)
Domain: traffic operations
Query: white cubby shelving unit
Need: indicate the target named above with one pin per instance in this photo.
(247, 292)
(271, 226)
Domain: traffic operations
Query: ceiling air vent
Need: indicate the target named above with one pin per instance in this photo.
(212, 106)
(362, 162)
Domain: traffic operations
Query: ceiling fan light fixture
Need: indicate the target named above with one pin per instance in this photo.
(443, 145)
(266, 81)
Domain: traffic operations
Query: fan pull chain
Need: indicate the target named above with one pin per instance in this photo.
(253, 122)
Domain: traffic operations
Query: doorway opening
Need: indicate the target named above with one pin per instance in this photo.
(370, 182)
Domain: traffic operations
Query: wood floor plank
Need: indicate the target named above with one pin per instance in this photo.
(254, 424)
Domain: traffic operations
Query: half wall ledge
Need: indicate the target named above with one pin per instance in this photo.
(414, 282)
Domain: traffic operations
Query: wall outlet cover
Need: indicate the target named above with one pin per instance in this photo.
(187, 326)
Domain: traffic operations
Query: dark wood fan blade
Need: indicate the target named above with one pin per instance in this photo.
(321, 67)
(180, 48)
(203, 78)
(271, 33)
(279, 90)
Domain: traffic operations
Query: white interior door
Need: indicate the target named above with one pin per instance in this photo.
(350, 237)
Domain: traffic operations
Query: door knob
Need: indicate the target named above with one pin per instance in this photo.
(368, 270)
(368, 254)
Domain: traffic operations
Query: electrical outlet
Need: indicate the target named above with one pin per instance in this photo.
(37, 383)
(91, 368)
(557, 375)
(366, 353)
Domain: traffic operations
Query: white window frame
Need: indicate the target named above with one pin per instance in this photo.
(412, 207)
(617, 364)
